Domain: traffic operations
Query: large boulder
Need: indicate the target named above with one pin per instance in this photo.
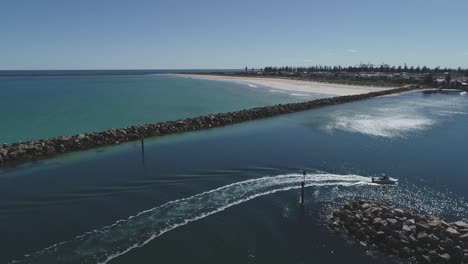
(461, 224)
(422, 236)
(422, 227)
(406, 229)
(452, 231)
(392, 221)
(3, 152)
(399, 232)
(445, 258)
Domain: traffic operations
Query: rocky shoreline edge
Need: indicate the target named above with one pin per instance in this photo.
(400, 232)
(33, 150)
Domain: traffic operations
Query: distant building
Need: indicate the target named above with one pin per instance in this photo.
(439, 82)
(452, 84)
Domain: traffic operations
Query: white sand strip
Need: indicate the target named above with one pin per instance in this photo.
(293, 85)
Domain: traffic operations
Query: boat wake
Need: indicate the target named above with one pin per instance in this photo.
(103, 245)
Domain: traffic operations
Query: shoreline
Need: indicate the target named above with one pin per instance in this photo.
(290, 85)
(44, 148)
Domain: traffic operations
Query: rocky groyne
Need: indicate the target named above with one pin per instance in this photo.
(400, 232)
(32, 150)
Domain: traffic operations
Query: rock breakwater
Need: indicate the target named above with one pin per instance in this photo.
(32, 150)
(400, 232)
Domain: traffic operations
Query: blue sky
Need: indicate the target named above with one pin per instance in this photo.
(137, 34)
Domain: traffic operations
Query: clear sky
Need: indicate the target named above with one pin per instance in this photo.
(155, 34)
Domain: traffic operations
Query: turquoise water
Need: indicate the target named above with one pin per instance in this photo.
(230, 194)
(48, 106)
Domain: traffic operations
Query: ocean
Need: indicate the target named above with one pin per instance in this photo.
(231, 194)
(68, 103)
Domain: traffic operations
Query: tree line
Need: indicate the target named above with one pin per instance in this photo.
(367, 68)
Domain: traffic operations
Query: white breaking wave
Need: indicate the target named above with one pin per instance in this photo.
(463, 93)
(277, 91)
(300, 94)
(292, 94)
(103, 245)
(251, 85)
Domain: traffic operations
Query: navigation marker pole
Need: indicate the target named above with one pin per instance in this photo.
(143, 149)
(302, 187)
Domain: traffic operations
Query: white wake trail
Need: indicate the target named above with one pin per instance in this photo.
(103, 245)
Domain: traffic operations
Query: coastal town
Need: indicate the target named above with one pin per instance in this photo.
(371, 74)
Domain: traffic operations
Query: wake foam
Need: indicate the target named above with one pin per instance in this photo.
(384, 126)
(103, 245)
(396, 118)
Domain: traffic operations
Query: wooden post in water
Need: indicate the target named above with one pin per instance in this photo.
(302, 187)
(143, 149)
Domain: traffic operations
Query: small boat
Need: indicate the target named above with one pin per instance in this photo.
(384, 180)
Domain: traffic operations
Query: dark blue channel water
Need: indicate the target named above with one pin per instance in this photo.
(230, 194)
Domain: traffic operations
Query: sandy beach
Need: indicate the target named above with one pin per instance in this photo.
(292, 85)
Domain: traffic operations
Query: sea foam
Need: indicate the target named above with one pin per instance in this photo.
(395, 119)
(384, 126)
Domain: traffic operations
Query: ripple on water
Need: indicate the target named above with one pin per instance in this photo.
(100, 246)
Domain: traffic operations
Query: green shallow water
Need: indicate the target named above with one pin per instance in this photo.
(230, 194)
(48, 106)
